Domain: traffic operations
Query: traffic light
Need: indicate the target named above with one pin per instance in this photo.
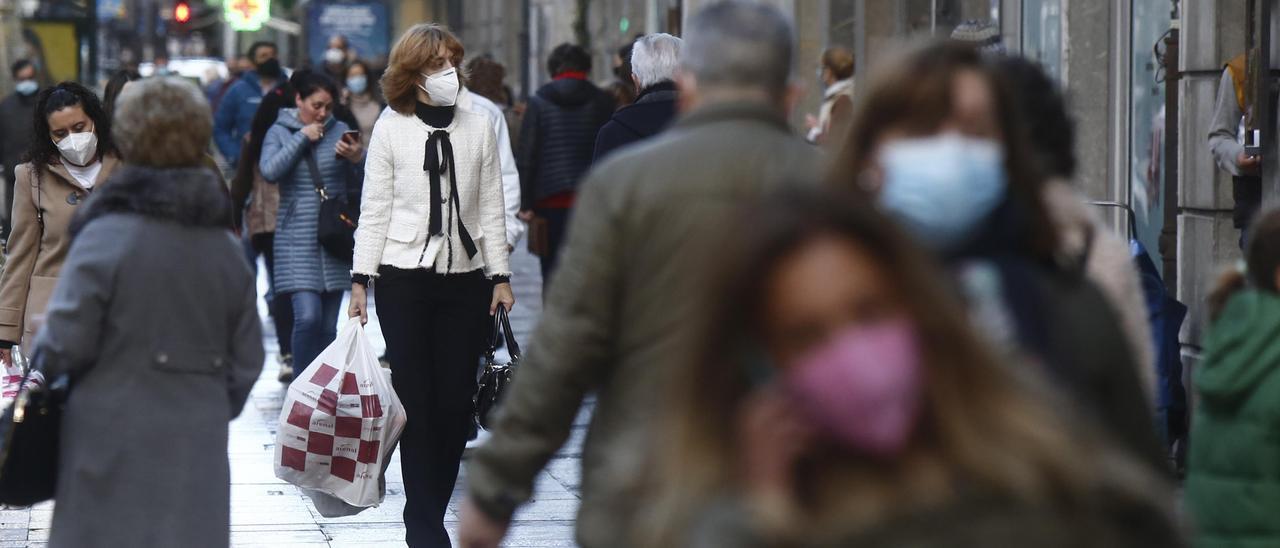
(182, 13)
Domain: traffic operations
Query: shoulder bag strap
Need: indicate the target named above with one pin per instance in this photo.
(314, 167)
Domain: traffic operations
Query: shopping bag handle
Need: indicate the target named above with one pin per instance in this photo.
(502, 328)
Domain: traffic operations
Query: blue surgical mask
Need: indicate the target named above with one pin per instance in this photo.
(357, 84)
(26, 87)
(942, 188)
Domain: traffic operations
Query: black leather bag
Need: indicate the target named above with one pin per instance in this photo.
(495, 377)
(30, 431)
(336, 229)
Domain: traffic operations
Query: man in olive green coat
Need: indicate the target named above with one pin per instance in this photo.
(648, 223)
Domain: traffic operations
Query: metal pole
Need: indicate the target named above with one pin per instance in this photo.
(1169, 232)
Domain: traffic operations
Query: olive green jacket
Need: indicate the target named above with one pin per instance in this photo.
(647, 223)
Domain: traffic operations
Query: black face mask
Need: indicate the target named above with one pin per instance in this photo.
(270, 69)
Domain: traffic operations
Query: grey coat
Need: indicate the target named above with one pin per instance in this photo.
(154, 319)
(648, 220)
(301, 264)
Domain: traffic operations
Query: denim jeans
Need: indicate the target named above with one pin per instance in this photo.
(315, 325)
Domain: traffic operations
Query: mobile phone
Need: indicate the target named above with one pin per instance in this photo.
(350, 137)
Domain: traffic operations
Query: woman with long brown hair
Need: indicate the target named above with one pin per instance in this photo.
(938, 144)
(839, 398)
(432, 237)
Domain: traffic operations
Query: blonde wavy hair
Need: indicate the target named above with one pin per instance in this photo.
(417, 53)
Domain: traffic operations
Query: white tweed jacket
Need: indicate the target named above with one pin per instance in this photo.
(395, 209)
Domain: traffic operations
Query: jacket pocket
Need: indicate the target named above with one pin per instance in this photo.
(178, 358)
(402, 232)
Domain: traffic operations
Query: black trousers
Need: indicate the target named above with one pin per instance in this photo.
(435, 326)
(557, 224)
(281, 306)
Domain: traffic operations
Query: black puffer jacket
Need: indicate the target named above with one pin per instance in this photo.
(652, 112)
(558, 137)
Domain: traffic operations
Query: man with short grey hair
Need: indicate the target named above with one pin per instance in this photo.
(630, 291)
(654, 60)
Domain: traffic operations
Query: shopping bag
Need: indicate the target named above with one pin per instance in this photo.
(339, 421)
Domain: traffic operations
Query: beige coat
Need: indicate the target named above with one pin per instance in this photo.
(39, 243)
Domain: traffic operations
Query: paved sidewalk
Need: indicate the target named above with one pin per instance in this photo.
(267, 512)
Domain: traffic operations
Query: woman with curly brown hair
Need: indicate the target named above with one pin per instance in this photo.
(71, 154)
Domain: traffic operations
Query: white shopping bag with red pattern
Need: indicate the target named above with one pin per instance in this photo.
(340, 420)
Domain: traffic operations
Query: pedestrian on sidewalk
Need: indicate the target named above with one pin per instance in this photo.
(362, 97)
(256, 204)
(1231, 495)
(1226, 143)
(479, 104)
(154, 319)
(617, 316)
(556, 144)
(313, 278)
(431, 238)
(115, 85)
(16, 112)
(653, 67)
(838, 397)
(71, 154)
(835, 73)
(939, 143)
(235, 111)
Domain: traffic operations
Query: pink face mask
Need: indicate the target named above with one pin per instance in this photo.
(863, 387)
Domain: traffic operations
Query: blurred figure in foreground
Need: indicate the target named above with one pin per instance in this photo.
(556, 145)
(155, 322)
(1232, 494)
(71, 154)
(618, 312)
(939, 145)
(839, 398)
(836, 113)
(1083, 237)
(16, 113)
(653, 63)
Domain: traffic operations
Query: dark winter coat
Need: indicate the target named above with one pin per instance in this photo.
(1233, 480)
(234, 117)
(301, 264)
(558, 138)
(154, 318)
(651, 113)
(16, 114)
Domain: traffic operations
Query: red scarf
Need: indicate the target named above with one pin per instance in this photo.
(571, 75)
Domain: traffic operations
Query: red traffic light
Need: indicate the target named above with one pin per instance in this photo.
(182, 12)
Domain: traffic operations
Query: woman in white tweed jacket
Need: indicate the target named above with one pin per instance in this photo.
(432, 237)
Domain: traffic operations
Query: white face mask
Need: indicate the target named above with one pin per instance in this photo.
(79, 148)
(441, 87)
(334, 56)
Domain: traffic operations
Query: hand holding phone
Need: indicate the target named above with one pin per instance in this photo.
(348, 146)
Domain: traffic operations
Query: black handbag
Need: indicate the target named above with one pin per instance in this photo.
(336, 230)
(31, 431)
(495, 377)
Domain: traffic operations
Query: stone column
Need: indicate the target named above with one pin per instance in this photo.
(1212, 32)
(1090, 77)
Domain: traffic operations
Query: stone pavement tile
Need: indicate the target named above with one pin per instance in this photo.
(568, 472)
(573, 446)
(41, 519)
(16, 518)
(267, 535)
(353, 534)
(541, 534)
(14, 534)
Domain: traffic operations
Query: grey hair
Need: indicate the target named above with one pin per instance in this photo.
(162, 122)
(654, 58)
(742, 45)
